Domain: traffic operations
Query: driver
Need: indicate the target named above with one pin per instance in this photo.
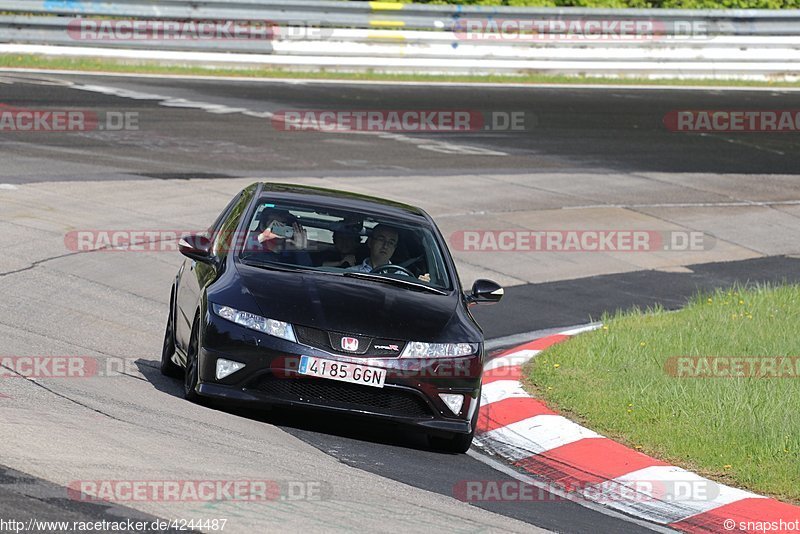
(382, 244)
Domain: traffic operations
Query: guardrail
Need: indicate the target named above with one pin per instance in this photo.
(397, 15)
(443, 38)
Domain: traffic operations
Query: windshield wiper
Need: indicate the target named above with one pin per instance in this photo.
(395, 281)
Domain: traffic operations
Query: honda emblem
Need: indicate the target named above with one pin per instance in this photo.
(349, 344)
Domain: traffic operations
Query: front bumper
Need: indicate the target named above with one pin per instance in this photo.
(410, 394)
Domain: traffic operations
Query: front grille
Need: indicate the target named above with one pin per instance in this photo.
(329, 342)
(313, 337)
(386, 401)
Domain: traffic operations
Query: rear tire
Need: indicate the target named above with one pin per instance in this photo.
(168, 367)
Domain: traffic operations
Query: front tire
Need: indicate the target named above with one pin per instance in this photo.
(456, 443)
(168, 367)
(192, 372)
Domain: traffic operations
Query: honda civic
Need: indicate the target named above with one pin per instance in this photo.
(308, 297)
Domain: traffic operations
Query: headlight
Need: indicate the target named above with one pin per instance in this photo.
(256, 322)
(418, 349)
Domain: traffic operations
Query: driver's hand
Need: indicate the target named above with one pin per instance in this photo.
(425, 277)
(300, 238)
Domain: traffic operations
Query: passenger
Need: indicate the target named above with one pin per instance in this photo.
(278, 230)
(346, 248)
(280, 233)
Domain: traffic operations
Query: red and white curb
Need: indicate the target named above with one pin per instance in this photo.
(553, 449)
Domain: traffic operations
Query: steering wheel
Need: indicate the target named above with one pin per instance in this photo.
(392, 267)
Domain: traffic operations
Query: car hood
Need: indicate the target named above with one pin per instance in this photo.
(344, 304)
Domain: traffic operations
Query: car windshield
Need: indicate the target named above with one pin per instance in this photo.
(290, 235)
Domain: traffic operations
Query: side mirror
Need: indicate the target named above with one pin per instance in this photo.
(196, 247)
(485, 292)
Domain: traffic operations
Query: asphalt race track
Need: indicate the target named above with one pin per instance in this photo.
(586, 159)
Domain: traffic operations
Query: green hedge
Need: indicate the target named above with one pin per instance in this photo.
(683, 4)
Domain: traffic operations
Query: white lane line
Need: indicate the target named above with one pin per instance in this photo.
(743, 143)
(581, 329)
(501, 389)
(527, 337)
(535, 435)
(498, 85)
(738, 204)
(695, 494)
(423, 143)
(516, 475)
(442, 147)
(515, 359)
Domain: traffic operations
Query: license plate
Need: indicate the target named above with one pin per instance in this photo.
(344, 372)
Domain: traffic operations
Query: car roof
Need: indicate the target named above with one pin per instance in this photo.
(342, 199)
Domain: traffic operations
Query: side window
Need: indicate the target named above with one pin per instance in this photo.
(435, 263)
(226, 226)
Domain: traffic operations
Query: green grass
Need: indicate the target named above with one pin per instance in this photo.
(114, 66)
(740, 431)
